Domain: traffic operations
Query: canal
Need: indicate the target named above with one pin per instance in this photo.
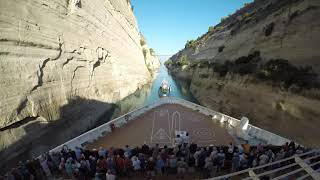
(176, 89)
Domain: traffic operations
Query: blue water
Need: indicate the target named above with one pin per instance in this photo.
(176, 89)
(148, 94)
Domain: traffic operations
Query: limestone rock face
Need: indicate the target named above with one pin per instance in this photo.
(55, 52)
(278, 29)
(151, 60)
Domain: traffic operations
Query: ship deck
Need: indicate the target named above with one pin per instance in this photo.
(158, 126)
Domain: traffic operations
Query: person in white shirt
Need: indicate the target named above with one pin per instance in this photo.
(136, 164)
(110, 176)
(186, 138)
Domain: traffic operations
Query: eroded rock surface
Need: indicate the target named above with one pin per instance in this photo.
(287, 29)
(56, 52)
(269, 29)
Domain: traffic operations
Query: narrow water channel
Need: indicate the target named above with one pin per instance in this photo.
(176, 89)
(149, 93)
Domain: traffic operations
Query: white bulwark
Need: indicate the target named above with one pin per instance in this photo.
(242, 129)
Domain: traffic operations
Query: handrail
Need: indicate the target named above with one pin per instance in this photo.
(289, 173)
(312, 157)
(303, 177)
(229, 117)
(109, 122)
(203, 107)
(267, 165)
(278, 169)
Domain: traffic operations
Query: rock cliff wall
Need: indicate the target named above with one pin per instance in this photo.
(251, 64)
(65, 61)
(287, 29)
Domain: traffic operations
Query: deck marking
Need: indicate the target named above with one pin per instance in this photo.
(174, 121)
(154, 117)
(170, 129)
(175, 125)
(161, 134)
(203, 135)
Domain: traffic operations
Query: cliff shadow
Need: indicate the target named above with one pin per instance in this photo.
(76, 117)
(38, 136)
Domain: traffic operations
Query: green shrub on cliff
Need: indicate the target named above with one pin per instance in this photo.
(221, 69)
(142, 42)
(224, 18)
(281, 71)
(183, 61)
(151, 51)
(192, 44)
(243, 65)
(211, 29)
(168, 62)
(144, 51)
(247, 64)
(278, 71)
(193, 64)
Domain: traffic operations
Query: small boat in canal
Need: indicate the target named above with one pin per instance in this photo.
(164, 89)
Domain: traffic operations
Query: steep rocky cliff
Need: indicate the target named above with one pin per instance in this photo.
(261, 62)
(65, 62)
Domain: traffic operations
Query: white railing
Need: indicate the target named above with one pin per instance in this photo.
(100, 131)
(299, 166)
(253, 131)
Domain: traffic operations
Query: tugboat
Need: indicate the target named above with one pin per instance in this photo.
(164, 89)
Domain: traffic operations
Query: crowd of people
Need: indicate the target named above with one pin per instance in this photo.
(148, 162)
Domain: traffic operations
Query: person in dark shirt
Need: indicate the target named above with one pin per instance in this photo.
(145, 149)
(151, 167)
(193, 148)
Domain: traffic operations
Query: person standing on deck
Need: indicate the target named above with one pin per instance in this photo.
(102, 152)
(136, 164)
(120, 165)
(110, 176)
(186, 139)
(181, 167)
(246, 148)
(178, 140)
(150, 168)
(160, 165)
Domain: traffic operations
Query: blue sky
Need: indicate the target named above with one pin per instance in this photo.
(168, 24)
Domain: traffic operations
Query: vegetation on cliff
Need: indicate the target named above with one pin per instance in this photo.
(278, 71)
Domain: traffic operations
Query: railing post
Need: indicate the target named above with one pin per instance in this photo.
(252, 174)
(307, 168)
